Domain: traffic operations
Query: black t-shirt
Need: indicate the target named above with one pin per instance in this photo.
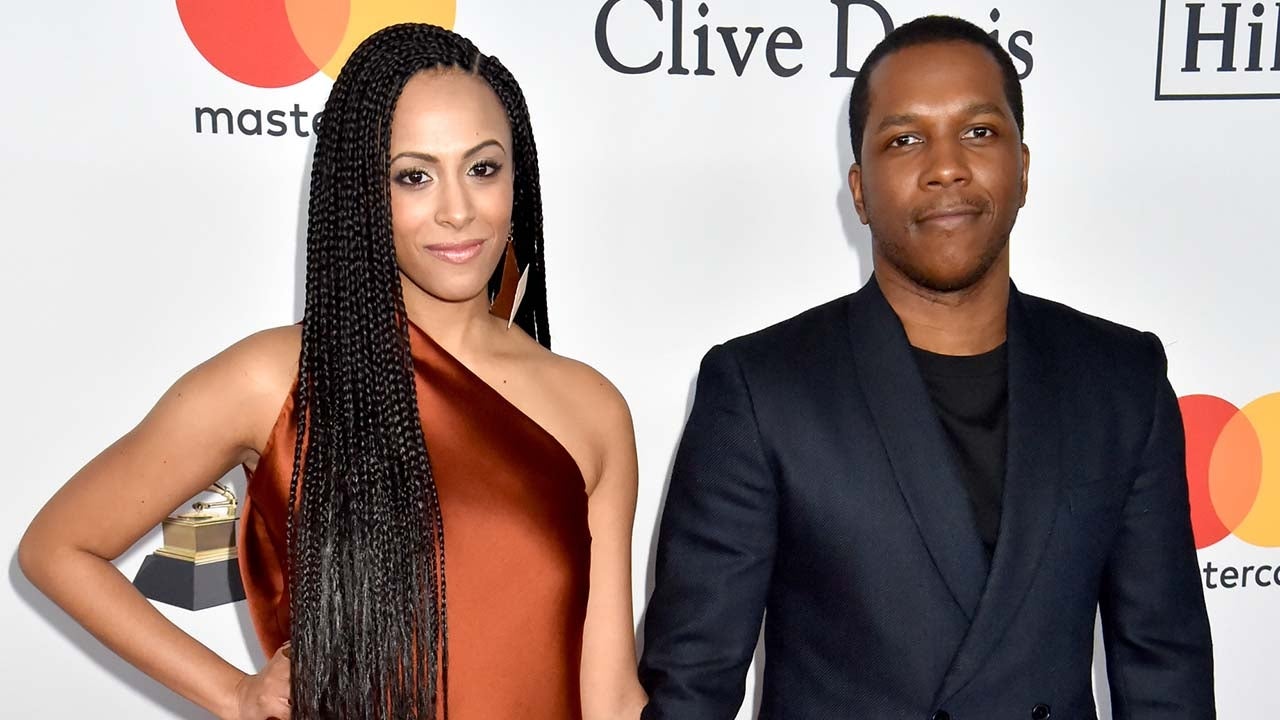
(971, 395)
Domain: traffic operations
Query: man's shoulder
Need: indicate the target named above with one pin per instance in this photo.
(812, 330)
(1091, 342)
(808, 350)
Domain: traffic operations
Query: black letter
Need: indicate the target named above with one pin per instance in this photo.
(1227, 37)
(677, 39)
(1208, 576)
(1258, 577)
(1276, 67)
(842, 32)
(1229, 573)
(257, 122)
(316, 124)
(274, 119)
(297, 115)
(1255, 40)
(702, 45)
(1021, 53)
(773, 46)
(739, 62)
(602, 41)
(214, 114)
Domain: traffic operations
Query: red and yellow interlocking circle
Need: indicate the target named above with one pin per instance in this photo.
(274, 43)
(1233, 469)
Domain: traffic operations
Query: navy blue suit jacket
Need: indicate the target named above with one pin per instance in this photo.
(813, 482)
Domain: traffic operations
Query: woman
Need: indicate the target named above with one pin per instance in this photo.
(464, 498)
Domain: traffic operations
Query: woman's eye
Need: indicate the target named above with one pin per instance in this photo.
(485, 168)
(413, 177)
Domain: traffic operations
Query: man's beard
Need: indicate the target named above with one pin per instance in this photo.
(918, 275)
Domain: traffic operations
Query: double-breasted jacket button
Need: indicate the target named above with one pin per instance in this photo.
(1040, 712)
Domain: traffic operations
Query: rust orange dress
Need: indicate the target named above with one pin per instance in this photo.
(516, 537)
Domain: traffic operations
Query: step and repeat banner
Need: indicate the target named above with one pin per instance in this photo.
(155, 168)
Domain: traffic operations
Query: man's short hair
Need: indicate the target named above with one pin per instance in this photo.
(923, 31)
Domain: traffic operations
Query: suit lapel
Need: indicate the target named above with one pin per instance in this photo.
(922, 462)
(1031, 489)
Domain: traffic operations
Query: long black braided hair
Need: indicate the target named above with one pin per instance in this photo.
(369, 620)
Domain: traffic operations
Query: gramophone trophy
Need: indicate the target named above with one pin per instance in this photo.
(197, 566)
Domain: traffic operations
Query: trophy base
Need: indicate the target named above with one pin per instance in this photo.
(189, 585)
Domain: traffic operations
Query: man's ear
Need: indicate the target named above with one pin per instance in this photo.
(1026, 169)
(855, 189)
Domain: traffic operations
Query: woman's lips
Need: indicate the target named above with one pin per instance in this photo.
(456, 253)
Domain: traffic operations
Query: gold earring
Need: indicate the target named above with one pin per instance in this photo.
(511, 292)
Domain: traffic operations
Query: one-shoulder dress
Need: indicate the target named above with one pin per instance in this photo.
(516, 537)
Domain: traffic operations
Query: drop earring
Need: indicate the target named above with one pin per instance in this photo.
(511, 291)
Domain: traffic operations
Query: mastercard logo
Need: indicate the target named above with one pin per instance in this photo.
(276, 43)
(1233, 469)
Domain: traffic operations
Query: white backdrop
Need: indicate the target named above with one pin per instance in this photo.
(681, 210)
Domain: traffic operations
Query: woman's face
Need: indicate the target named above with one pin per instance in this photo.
(451, 184)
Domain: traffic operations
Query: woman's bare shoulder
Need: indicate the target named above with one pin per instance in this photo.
(246, 384)
(265, 362)
(596, 405)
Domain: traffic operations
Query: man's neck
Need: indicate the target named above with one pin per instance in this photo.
(965, 322)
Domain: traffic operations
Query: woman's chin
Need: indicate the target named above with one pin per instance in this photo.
(452, 294)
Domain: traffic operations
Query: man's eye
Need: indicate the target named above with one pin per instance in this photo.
(904, 140)
(981, 133)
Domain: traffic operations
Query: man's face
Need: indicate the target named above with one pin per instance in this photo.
(943, 169)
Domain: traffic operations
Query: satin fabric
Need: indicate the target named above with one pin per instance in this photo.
(517, 544)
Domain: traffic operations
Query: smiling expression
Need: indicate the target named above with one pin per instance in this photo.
(943, 169)
(451, 184)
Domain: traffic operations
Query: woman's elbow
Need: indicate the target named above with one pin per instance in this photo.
(38, 552)
(31, 555)
(625, 705)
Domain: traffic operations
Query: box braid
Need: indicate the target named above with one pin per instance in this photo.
(526, 205)
(369, 619)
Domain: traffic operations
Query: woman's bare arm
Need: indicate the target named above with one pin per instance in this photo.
(217, 416)
(610, 688)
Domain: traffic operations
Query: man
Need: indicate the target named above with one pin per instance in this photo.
(933, 484)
